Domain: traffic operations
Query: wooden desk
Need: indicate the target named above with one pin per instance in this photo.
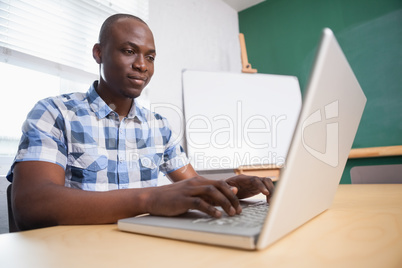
(362, 229)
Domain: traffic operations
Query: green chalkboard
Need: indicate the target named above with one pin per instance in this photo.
(282, 37)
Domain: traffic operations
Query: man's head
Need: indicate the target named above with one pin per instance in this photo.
(125, 54)
(108, 23)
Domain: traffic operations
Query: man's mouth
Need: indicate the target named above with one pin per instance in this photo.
(137, 81)
(135, 77)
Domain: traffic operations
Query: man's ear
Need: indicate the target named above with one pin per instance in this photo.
(97, 53)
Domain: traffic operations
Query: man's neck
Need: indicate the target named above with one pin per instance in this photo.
(120, 105)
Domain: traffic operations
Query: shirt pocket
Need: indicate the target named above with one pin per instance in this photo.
(149, 166)
(86, 165)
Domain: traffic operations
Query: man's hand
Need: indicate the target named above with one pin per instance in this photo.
(195, 193)
(248, 186)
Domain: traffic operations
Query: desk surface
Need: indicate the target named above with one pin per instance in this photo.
(363, 228)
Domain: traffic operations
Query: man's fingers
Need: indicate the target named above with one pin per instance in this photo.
(229, 193)
(261, 185)
(201, 205)
(214, 197)
(224, 188)
(269, 185)
(234, 189)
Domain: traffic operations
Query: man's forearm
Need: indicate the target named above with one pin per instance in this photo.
(58, 205)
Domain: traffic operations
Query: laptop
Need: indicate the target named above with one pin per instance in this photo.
(327, 125)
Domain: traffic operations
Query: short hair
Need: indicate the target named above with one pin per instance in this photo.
(108, 23)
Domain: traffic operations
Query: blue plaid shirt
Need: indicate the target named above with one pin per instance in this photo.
(82, 134)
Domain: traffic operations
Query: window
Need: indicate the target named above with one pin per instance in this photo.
(60, 31)
(46, 50)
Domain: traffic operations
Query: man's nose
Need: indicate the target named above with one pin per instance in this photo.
(139, 63)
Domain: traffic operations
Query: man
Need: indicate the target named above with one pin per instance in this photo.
(94, 158)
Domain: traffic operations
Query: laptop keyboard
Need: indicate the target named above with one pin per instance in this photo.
(253, 215)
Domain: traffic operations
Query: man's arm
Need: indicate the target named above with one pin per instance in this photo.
(184, 173)
(40, 199)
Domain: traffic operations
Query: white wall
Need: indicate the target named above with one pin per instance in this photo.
(190, 34)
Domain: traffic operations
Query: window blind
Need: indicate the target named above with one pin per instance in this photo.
(60, 31)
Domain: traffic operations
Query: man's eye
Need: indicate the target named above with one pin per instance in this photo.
(129, 51)
(151, 58)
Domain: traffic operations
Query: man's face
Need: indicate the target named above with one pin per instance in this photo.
(127, 59)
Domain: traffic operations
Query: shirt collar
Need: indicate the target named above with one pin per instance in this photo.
(137, 111)
(98, 106)
(101, 109)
